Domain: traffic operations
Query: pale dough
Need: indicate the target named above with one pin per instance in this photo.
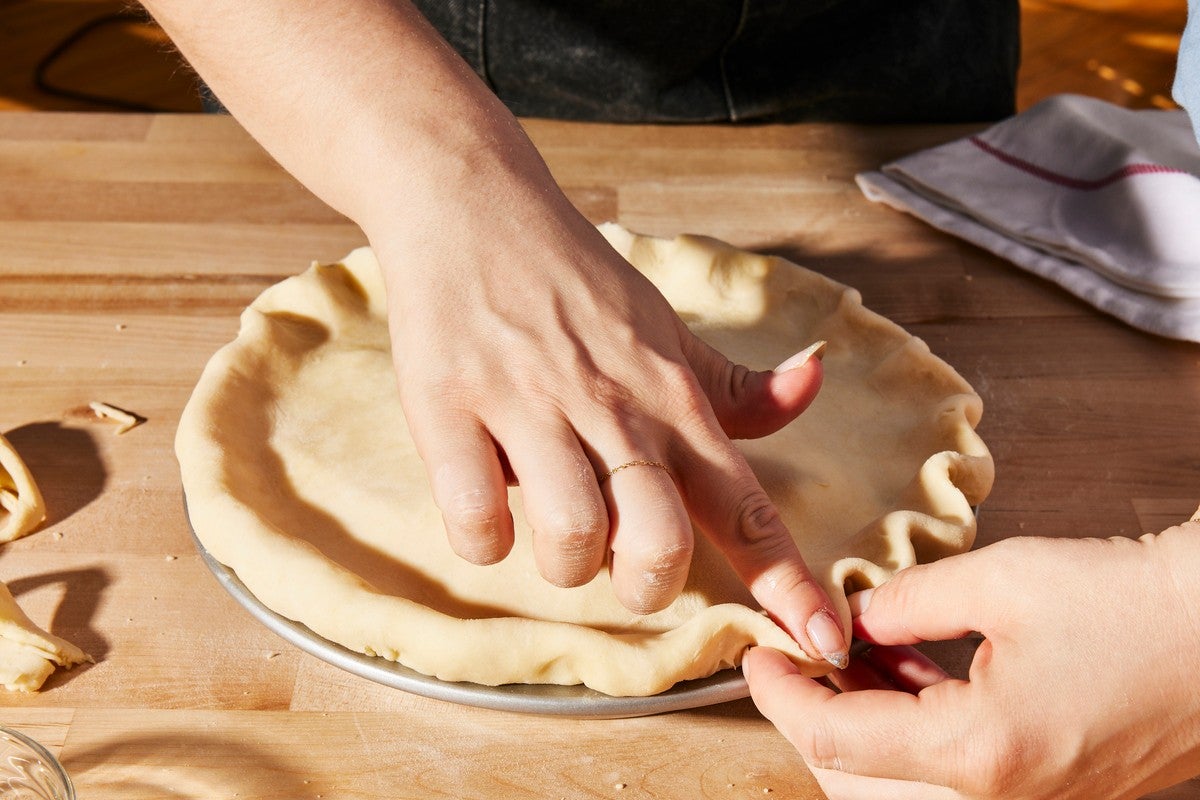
(300, 475)
(21, 505)
(125, 420)
(27, 653)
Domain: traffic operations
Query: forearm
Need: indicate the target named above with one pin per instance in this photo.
(1174, 576)
(523, 342)
(362, 101)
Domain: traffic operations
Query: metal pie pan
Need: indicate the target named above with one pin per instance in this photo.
(547, 699)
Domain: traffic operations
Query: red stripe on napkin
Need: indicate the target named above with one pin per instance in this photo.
(1066, 180)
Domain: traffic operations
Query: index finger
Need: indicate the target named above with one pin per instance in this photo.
(877, 733)
(724, 497)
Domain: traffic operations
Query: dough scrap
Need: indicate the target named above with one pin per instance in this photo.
(126, 420)
(21, 506)
(300, 476)
(29, 654)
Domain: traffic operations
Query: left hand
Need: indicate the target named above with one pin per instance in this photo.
(1084, 687)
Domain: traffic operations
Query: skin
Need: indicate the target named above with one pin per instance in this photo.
(1084, 687)
(527, 350)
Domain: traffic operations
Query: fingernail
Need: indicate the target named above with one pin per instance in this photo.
(814, 350)
(746, 665)
(826, 635)
(859, 601)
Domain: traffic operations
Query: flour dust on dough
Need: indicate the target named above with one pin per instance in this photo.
(300, 476)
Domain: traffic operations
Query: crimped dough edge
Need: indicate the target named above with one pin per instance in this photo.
(934, 519)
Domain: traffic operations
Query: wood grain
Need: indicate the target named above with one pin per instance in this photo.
(124, 271)
(1122, 51)
(126, 60)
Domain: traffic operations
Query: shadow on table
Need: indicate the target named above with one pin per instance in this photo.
(190, 766)
(65, 463)
(72, 620)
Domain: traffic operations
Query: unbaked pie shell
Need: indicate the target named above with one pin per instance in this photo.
(300, 476)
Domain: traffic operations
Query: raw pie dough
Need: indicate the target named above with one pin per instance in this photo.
(28, 654)
(21, 506)
(300, 476)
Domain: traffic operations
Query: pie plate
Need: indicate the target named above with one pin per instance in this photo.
(301, 478)
(561, 701)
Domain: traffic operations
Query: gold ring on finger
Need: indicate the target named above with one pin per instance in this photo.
(637, 462)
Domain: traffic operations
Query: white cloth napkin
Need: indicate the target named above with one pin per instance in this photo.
(1099, 199)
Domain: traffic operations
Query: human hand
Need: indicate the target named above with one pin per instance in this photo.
(525, 345)
(528, 350)
(1084, 686)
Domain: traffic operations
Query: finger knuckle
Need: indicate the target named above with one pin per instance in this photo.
(736, 382)
(790, 581)
(679, 375)
(573, 527)
(718, 388)
(757, 521)
(475, 513)
(659, 568)
(665, 563)
(817, 745)
(426, 391)
(607, 392)
(656, 391)
(677, 391)
(661, 547)
(657, 586)
(689, 404)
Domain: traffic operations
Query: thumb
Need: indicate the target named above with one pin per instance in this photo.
(930, 602)
(749, 403)
(889, 735)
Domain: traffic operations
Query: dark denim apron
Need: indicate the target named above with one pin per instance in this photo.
(741, 60)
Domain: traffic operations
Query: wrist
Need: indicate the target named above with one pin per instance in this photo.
(468, 185)
(437, 172)
(1177, 558)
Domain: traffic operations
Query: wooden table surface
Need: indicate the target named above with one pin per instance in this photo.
(128, 246)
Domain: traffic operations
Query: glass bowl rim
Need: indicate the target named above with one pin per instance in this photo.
(43, 753)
